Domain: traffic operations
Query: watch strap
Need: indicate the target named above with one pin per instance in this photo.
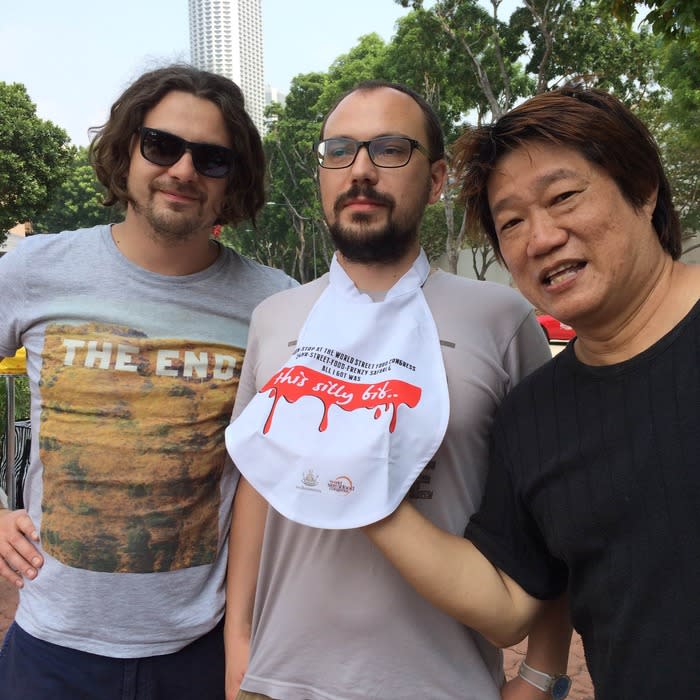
(558, 685)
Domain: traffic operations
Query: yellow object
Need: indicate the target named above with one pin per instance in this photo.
(16, 364)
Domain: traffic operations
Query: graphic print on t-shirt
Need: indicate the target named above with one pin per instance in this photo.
(131, 440)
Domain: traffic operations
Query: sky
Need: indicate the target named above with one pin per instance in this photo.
(76, 57)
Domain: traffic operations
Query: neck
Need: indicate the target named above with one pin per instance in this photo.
(674, 290)
(155, 253)
(378, 277)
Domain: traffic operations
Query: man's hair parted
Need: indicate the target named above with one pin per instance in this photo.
(111, 147)
(592, 122)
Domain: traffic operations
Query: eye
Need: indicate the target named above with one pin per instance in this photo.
(507, 226)
(392, 147)
(563, 196)
(337, 149)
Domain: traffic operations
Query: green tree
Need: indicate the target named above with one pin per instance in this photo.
(486, 65)
(292, 233)
(22, 400)
(34, 158)
(472, 66)
(677, 129)
(668, 18)
(291, 215)
(591, 48)
(77, 202)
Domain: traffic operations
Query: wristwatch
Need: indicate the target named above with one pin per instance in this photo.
(557, 686)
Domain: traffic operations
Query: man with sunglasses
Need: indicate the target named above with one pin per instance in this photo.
(135, 335)
(390, 374)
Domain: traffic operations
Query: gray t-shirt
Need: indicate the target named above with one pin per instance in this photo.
(133, 377)
(333, 620)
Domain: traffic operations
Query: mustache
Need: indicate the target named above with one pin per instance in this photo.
(365, 191)
(169, 185)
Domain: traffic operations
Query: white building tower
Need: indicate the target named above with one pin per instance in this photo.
(226, 38)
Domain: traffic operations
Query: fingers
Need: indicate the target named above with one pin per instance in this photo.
(25, 525)
(10, 574)
(19, 557)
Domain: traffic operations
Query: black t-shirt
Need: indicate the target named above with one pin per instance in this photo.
(594, 487)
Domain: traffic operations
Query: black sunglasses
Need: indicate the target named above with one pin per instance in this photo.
(163, 148)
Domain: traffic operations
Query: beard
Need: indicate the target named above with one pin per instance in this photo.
(168, 223)
(364, 243)
(386, 245)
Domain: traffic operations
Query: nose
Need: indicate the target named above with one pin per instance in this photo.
(544, 234)
(183, 168)
(363, 168)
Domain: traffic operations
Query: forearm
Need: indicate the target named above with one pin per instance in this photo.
(245, 543)
(547, 652)
(550, 637)
(453, 575)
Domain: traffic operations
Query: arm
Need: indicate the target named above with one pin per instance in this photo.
(19, 556)
(547, 649)
(245, 542)
(453, 575)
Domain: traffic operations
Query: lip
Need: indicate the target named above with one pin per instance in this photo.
(561, 274)
(362, 203)
(181, 197)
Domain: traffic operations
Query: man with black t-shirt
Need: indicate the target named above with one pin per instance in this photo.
(594, 483)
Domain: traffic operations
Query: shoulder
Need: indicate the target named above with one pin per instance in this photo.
(459, 300)
(293, 303)
(53, 244)
(542, 385)
(257, 272)
(275, 325)
(441, 286)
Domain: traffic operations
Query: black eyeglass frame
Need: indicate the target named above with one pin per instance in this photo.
(200, 152)
(415, 146)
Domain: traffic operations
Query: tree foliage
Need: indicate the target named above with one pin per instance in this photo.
(678, 129)
(472, 65)
(34, 158)
(77, 202)
(671, 19)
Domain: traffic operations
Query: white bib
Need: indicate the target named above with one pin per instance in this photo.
(338, 435)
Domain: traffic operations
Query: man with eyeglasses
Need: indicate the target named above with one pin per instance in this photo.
(375, 382)
(135, 335)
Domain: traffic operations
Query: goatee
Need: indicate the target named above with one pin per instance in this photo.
(386, 245)
(361, 243)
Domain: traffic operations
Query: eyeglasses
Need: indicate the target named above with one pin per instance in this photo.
(384, 151)
(163, 148)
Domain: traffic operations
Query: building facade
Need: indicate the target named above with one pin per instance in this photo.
(226, 38)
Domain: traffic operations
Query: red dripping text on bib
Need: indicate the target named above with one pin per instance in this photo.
(293, 383)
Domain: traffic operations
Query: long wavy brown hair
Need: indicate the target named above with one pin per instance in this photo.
(110, 149)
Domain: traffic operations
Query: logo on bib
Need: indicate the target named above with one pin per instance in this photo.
(310, 479)
(309, 482)
(341, 484)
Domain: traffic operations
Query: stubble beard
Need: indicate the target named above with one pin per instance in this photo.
(169, 225)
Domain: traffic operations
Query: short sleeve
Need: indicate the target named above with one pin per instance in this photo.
(527, 350)
(504, 530)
